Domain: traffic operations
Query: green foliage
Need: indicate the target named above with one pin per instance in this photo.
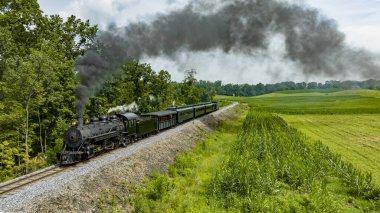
(271, 161)
(150, 90)
(189, 93)
(37, 83)
(247, 90)
(137, 83)
(207, 90)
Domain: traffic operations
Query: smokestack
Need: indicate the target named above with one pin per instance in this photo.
(80, 121)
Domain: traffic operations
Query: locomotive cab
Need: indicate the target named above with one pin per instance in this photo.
(130, 125)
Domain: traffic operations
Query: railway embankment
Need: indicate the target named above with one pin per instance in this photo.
(78, 188)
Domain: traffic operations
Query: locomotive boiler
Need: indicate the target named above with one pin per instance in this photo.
(84, 141)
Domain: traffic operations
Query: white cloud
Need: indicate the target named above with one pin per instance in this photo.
(358, 19)
(119, 12)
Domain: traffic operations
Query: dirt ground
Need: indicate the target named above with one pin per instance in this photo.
(114, 181)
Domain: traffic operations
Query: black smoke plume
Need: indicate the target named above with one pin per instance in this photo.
(235, 26)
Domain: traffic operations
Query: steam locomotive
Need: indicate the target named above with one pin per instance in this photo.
(104, 133)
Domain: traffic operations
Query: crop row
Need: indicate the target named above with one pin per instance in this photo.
(272, 168)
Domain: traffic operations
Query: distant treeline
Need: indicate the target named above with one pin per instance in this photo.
(208, 89)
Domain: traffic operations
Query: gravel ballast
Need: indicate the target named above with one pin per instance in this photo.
(78, 188)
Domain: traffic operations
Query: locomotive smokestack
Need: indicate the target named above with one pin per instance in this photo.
(80, 121)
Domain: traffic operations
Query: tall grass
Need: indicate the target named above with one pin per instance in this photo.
(259, 165)
(270, 159)
(183, 187)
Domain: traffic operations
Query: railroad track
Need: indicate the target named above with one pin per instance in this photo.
(23, 181)
(8, 187)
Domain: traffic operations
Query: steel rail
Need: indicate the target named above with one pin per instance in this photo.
(28, 179)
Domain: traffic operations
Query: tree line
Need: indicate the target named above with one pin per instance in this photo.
(209, 89)
(38, 80)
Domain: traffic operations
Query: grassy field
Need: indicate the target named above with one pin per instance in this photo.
(330, 90)
(348, 121)
(355, 137)
(315, 102)
(274, 168)
(259, 165)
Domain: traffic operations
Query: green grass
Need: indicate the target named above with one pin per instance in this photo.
(326, 102)
(275, 168)
(223, 103)
(261, 166)
(348, 121)
(310, 91)
(355, 137)
(184, 189)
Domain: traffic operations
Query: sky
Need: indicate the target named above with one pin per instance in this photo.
(358, 19)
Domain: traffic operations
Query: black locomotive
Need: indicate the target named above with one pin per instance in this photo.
(104, 133)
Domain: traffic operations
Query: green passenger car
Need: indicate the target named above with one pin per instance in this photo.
(164, 119)
(185, 114)
(199, 110)
(146, 126)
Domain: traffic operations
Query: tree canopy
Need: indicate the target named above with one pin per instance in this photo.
(38, 80)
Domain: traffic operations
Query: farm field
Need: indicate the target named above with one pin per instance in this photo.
(315, 102)
(355, 137)
(347, 121)
(257, 163)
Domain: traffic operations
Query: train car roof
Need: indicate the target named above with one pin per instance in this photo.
(181, 107)
(129, 115)
(185, 109)
(161, 113)
(199, 106)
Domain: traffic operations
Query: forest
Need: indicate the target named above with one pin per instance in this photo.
(38, 81)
